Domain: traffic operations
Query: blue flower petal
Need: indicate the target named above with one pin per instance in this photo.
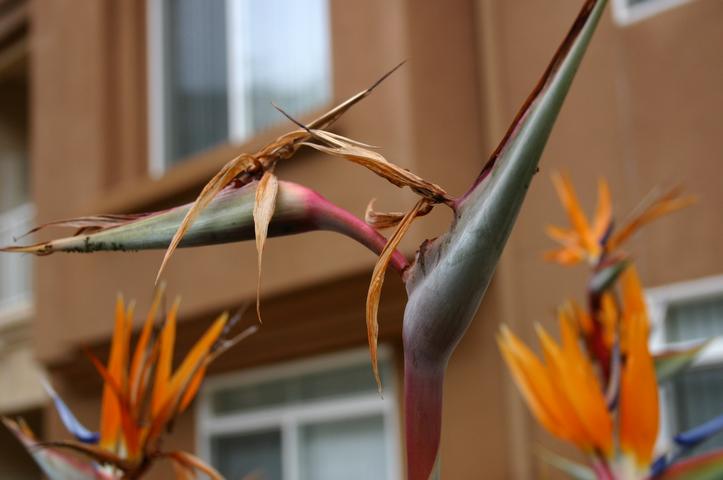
(71, 423)
(700, 433)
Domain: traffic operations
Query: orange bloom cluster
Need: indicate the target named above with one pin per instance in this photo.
(142, 396)
(567, 395)
(597, 387)
(592, 242)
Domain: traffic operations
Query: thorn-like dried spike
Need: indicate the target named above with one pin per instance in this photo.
(377, 281)
(226, 344)
(263, 211)
(335, 113)
(381, 220)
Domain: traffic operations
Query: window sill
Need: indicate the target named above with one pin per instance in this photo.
(15, 313)
(184, 180)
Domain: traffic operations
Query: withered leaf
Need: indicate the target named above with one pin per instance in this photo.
(229, 171)
(377, 281)
(263, 211)
(246, 166)
(337, 145)
(381, 220)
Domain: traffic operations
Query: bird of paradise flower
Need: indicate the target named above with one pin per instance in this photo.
(142, 396)
(598, 387)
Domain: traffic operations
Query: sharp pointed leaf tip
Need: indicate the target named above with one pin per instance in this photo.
(72, 424)
(376, 283)
(335, 113)
(264, 206)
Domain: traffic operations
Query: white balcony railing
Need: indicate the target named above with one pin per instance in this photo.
(16, 283)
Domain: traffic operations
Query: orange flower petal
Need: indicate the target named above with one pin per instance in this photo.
(639, 409)
(565, 256)
(633, 298)
(174, 389)
(533, 381)
(604, 212)
(166, 340)
(566, 193)
(110, 409)
(142, 352)
(583, 387)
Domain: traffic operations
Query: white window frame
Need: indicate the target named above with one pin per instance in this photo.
(237, 80)
(659, 299)
(626, 14)
(18, 307)
(155, 35)
(288, 418)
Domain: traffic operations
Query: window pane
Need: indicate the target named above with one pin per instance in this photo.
(699, 319)
(196, 76)
(698, 397)
(236, 456)
(13, 145)
(226, 61)
(348, 449)
(280, 54)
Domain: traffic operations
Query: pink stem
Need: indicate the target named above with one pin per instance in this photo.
(331, 217)
(423, 417)
(602, 470)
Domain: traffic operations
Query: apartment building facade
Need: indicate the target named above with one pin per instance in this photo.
(129, 106)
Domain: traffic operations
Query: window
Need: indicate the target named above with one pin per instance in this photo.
(626, 12)
(684, 313)
(215, 68)
(311, 420)
(16, 212)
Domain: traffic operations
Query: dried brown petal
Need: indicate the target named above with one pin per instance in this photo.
(240, 164)
(377, 281)
(263, 211)
(339, 146)
(380, 220)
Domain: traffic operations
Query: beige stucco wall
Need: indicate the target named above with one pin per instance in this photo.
(644, 111)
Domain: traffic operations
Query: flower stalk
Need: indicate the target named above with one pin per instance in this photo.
(451, 274)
